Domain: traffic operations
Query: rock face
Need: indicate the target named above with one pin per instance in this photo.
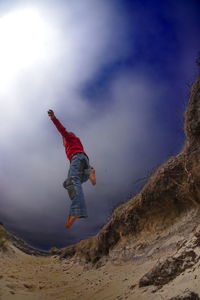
(170, 268)
(171, 192)
(187, 295)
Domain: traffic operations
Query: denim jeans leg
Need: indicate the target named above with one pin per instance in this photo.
(86, 174)
(78, 206)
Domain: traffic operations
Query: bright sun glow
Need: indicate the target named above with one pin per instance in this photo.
(23, 42)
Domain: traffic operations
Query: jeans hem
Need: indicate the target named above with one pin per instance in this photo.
(78, 213)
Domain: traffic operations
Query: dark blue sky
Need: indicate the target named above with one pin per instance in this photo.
(121, 81)
(160, 36)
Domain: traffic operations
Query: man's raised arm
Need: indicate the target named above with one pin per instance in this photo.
(58, 125)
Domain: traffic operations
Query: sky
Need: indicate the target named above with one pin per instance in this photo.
(117, 73)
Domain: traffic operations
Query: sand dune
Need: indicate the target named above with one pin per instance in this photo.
(29, 277)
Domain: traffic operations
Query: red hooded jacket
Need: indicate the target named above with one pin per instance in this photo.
(72, 143)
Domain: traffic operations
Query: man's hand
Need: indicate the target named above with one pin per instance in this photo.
(51, 113)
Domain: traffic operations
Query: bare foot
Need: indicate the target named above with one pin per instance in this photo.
(70, 221)
(92, 177)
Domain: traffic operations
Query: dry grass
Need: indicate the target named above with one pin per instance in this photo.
(3, 238)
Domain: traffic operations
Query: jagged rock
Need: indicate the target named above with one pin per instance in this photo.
(197, 241)
(166, 271)
(68, 252)
(187, 295)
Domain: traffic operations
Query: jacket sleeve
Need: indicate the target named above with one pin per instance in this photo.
(60, 127)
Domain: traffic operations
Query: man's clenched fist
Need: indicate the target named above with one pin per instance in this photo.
(51, 113)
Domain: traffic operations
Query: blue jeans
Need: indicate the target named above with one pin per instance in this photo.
(79, 172)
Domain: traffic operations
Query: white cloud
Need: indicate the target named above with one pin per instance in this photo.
(80, 39)
(86, 36)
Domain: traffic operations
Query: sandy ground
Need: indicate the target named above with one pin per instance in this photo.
(45, 278)
(24, 277)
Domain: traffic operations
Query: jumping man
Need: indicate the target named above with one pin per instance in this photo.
(80, 171)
